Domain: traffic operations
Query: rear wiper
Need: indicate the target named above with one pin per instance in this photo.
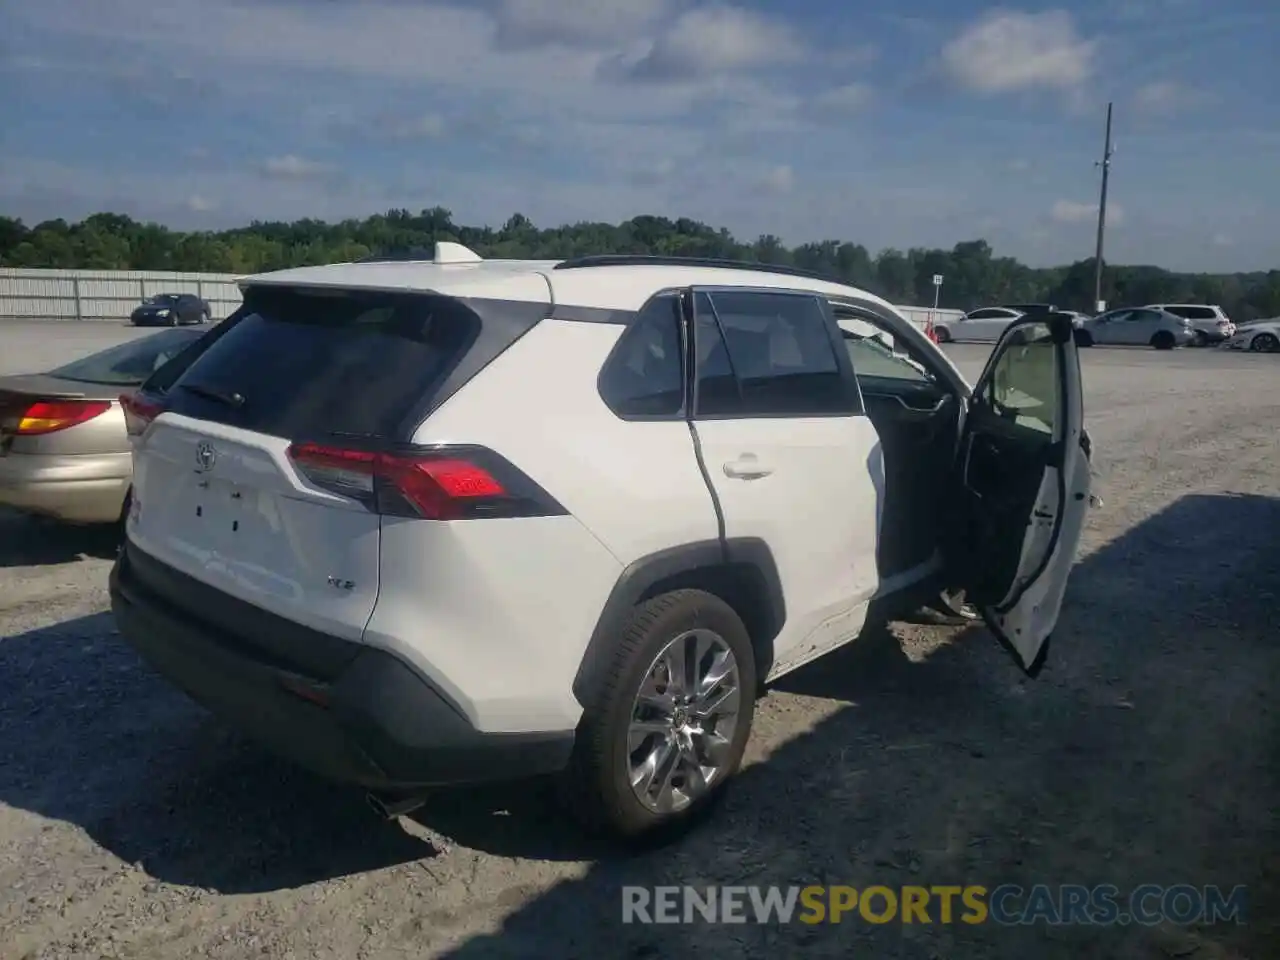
(229, 399)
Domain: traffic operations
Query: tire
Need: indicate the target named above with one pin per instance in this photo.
(943, 334)
(1265, 343)
(1164, 340)
(1083, 338)
(607, 751)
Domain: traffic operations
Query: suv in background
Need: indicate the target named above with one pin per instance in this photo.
(1210, 321)
(420, 523)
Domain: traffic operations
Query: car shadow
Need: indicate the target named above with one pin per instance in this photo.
(28, 541)
(1145, 752)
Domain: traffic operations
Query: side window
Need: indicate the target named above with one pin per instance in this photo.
(1023, 387)
(768, 354)
(986, 313)
(644, 376)
(873, 354)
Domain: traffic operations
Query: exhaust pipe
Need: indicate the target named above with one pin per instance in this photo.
(390, 806)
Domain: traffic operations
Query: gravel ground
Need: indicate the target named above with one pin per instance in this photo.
(132, 825)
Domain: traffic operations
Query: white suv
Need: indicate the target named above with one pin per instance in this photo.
(1210, 321)
(421, 523)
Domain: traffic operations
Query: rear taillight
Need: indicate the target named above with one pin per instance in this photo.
(138, 413)
(49, 416)
(441, 483)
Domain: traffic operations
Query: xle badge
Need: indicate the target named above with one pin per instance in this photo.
(339, 584)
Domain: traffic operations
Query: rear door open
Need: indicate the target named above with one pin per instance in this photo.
(1022, 487)
(255, 473)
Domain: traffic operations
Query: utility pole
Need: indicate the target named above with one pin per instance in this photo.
(1102, 214)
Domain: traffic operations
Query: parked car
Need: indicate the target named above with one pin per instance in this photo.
(1136, 327)
(984, 325)
(64, 452)
(1210, 321)
(171, 310)
(413, 525)
(1030, 307)
(1260, 336)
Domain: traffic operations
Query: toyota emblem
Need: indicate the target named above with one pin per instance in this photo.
(206, 456)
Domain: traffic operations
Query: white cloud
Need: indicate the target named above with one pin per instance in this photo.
(199, 204)
(847, 98)
(290, 166)
(1009, 51)
(425, 127)
(1164, 97)
(715, 40)
(587, 23)
(1222, 240)
(1072, 212)
(781, 179)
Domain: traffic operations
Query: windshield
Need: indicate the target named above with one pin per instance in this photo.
(128, 364)
(163, 298)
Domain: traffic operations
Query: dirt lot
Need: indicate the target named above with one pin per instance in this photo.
(1147, 752)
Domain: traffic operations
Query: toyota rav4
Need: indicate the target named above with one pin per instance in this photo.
(417, 523)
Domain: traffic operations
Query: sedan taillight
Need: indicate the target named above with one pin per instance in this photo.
(49, 416)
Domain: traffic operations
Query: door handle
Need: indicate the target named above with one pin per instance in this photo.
(746, 467)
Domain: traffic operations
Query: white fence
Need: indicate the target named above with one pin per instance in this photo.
(112, 294)
(103, 295)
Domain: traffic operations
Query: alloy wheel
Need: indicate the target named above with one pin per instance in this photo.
(683, 721)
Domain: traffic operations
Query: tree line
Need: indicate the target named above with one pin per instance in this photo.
(974, 275)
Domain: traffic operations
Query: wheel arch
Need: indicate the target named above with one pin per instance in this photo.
(741, 571)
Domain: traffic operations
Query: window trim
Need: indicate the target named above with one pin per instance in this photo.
(635, 318)
(844, 366)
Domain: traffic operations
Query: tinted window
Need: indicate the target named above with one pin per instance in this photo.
(165, 376)
(987, 314)
(1193, 313)
(644, 376)
(129, 363)
(1024, 381)
(768, 354)
(872, 357)
(319, 364)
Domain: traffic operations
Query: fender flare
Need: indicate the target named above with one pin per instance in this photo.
(642, 575)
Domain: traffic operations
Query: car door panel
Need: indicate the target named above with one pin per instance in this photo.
(787, 463)
(1022, 485)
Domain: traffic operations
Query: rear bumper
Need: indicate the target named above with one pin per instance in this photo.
(77, 489)
(371, 721)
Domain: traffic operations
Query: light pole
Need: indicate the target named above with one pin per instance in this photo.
(1105, 163)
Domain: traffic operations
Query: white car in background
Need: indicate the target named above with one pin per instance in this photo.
(1210, 321)
(984, 325)
(1260, 336)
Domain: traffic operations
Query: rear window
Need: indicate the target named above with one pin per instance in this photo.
(1193, 313)
(314, 364)
(128, 364)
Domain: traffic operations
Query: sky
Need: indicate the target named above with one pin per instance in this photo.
(863, 120)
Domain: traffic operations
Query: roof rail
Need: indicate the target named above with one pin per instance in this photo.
(399, 255)
(646, 260)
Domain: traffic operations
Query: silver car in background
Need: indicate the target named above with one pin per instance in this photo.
(1211, 323)
(64, 449)
(1136, 327)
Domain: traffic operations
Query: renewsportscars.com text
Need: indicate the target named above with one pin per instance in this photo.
(1006, 904)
